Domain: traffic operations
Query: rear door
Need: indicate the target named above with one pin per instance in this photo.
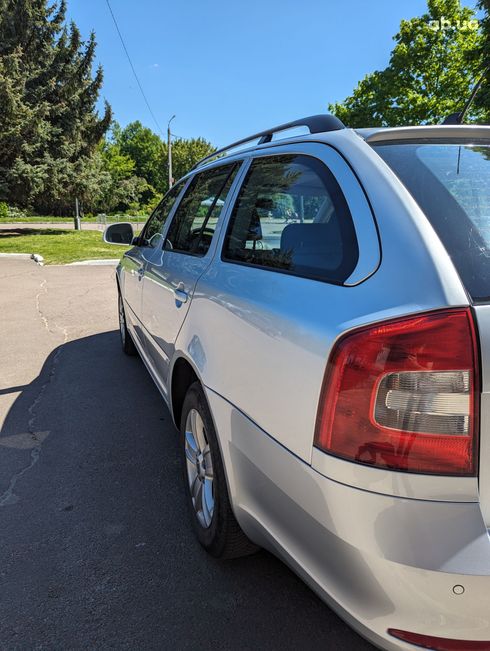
(289, 249)
(172, 270)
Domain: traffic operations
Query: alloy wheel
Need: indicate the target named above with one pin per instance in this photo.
(199, 466)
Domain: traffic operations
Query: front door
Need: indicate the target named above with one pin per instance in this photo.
(135, 261)
(172, 271)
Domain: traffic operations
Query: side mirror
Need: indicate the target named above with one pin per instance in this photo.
(121, 233)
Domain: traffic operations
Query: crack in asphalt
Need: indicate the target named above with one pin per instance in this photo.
(42, 289)
(8, 496)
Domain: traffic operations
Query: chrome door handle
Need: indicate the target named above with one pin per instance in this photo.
(181, 296)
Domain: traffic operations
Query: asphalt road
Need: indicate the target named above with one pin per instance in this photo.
(96, 550)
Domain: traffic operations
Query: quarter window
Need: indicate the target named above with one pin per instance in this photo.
(291, 216)
(451, 183)
(194, 222)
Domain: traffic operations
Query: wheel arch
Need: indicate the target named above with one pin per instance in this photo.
(182, 374)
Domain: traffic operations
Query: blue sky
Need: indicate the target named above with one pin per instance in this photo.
(230, 68)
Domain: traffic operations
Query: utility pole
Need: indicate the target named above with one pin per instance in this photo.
(169, 152)
(77, 215)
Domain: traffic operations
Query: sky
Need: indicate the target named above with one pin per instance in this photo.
(229, 68)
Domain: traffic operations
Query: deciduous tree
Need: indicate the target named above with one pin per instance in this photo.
(433, 66)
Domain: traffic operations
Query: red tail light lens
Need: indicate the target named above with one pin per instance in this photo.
(403, 395)
(439, 643)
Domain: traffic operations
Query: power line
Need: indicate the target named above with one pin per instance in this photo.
(133, 69)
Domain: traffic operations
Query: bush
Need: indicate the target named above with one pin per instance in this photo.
(11, 212)
(16, 213)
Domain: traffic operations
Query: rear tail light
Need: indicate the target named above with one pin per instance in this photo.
(439, 643)
(404, 394)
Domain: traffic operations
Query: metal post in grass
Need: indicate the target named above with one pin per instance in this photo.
(77, 215)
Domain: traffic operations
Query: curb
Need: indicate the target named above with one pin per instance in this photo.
(38, 259)
(94, 263)
(16, 256)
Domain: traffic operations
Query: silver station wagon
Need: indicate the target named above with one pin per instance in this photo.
(315, 310)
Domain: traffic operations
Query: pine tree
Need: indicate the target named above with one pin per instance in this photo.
(49, 125)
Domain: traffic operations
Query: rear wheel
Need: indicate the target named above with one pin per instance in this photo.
(207, 494)
(126, 341)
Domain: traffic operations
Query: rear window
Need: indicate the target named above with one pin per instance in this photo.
(451, 184)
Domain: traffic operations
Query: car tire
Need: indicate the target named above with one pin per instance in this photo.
(127, 342)
(205, 482)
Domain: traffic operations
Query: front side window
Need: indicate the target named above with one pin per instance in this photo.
(292, 216)
(194, 222)
(152, 233)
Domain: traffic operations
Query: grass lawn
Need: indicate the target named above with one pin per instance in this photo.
(58, 246)
(69, 220)
(36, 220)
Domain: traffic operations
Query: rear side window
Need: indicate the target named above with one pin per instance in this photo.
(291, 216)
(451, 184)
(195, 219)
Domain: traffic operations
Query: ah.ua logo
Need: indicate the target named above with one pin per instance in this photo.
(444, 24)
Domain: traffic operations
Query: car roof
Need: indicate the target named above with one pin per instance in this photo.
(322, 126)
(430, 132)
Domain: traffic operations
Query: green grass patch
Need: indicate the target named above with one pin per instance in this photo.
(36, 220)
(69, 220)
(59, 246)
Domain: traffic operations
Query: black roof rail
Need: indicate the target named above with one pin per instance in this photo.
(315, 123)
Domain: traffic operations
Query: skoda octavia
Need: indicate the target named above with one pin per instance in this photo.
(314, 308)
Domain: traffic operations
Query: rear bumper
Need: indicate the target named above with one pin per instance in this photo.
(379, 561)
(373, 595)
